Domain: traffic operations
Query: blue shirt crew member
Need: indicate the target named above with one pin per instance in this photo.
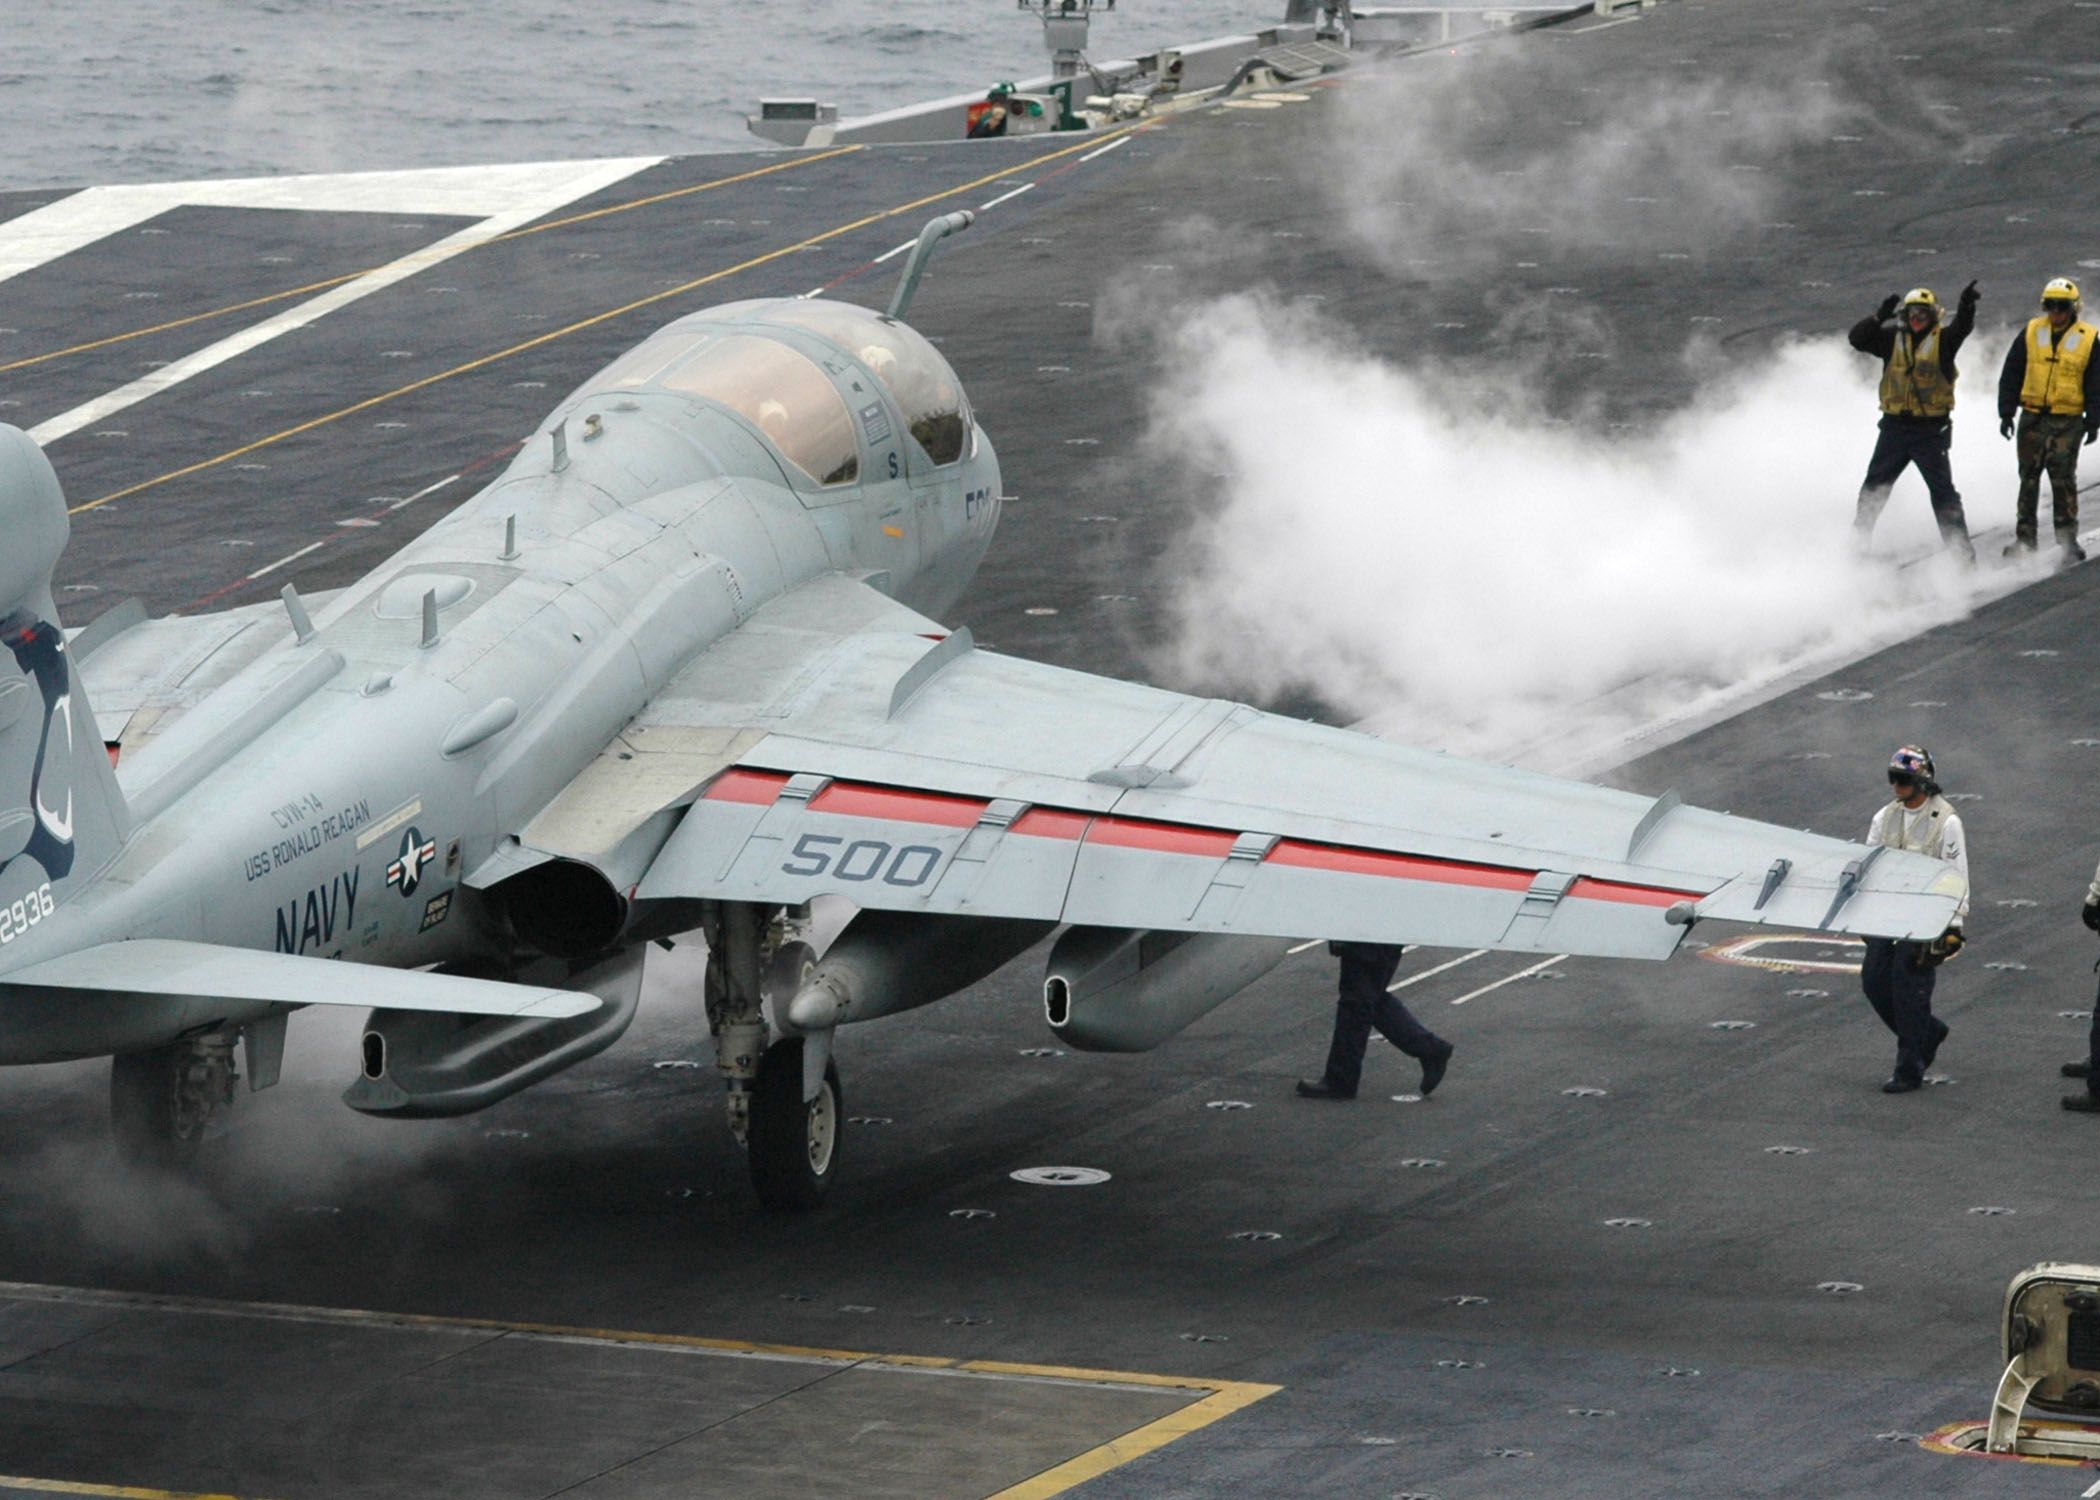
(1898, 976)
(2088, 1068)
(1917, 408)
(2052, 383)
(1366, 1001)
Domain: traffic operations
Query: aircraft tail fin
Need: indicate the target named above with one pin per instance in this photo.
(62, 817)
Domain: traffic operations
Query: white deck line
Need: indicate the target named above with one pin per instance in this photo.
(527, 193)
(287, 558)
(429, 489)
(1449, 963)
(1545, 963)
(1026, 187)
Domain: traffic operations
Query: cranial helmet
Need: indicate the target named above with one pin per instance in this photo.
(1911, 763)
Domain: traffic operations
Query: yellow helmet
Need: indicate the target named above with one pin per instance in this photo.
(1921, 296)
(2062, 289)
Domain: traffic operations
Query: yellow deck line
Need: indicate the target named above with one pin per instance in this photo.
(121, 1491)
(1225, 1396)
(421, 255)
(624, 308)
(1941, 1440)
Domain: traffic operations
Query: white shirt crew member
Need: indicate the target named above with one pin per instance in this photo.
(1933, 828)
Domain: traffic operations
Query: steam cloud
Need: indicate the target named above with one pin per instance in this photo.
(1470, 580)
(1469, 554)
(1442, 161)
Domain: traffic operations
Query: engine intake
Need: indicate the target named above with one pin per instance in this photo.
(424, 1064)
(1112, 989)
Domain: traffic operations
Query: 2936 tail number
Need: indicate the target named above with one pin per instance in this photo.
(19, 916)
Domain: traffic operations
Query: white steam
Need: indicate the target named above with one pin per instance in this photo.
(1441, 164)
(1438, 558)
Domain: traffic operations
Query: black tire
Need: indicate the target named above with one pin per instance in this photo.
(145, 1109)
(794, 1147)
(788, 972)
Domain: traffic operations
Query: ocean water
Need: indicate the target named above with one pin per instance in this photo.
(142, 91)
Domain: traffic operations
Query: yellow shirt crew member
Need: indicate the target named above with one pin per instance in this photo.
(2051, 384)
(1917, 408)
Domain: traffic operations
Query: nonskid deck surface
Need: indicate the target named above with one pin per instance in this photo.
(1632, 1246)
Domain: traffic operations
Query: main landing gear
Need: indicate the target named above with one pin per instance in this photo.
(160, 1101)
(784, 1101)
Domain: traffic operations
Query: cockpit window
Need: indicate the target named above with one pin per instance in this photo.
(638, 366)
(911, 368)
(783, 393)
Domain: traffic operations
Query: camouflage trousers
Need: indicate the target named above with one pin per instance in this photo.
(2050, 443)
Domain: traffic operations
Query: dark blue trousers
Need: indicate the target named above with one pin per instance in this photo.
(1367, 968)
(1902, 997)
(2092, 1049)
(1923, 441)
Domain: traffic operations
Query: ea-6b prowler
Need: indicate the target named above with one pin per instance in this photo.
(680, 669)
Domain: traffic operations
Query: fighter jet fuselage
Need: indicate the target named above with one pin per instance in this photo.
(449, 696)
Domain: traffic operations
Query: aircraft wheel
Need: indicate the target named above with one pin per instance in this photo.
(794, 1145)
(157, 1108)
(788, 972)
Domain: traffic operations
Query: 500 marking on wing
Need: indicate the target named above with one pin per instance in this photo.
(864, 859)
(26, 913)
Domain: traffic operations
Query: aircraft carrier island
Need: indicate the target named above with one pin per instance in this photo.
(561, 586)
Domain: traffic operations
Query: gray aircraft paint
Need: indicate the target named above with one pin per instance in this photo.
(650, 570)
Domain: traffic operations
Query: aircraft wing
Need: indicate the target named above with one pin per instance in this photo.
(143, 675)
(838, 744)
(169, 969)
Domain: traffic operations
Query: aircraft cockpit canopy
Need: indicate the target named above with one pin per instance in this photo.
(782, 392)
(917, 378)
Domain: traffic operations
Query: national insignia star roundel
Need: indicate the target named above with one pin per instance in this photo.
(406, 872)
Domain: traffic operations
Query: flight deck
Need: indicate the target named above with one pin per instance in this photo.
(1657, 1233)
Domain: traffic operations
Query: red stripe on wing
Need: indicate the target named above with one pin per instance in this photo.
(1351, 861)
(853, 799)
(1166, 838)
(942, 809)
(1051, 823)
(739, 785)
(1586, 889)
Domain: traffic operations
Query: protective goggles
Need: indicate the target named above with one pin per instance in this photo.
(1902, 778)
(2058, 304)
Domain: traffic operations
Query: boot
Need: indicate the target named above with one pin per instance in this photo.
(2019, 546)
(1433, 1067)
(1322, 1089)
(2080, 1069)
(2073, 554)
(2082, 1104)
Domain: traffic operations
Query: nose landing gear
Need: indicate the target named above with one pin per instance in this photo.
(794, 1142)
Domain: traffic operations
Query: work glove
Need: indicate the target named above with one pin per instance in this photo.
(1939, 950)
(1888, 306)
(2091, 915)
(2005, 427)
(1970, 296)
(2090, 434)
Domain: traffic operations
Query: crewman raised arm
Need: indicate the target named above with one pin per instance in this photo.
(2052, 383)
(1898, 976)
(1917, 408)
